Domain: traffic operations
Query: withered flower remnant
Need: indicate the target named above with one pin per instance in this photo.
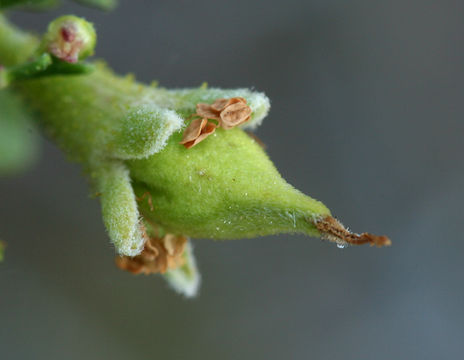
(158, 255)
(197, 131)
(229, 113)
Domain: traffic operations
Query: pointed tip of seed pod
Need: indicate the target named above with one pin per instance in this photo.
(376, 240)
(331, 229)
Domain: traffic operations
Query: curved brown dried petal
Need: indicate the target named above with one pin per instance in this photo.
(221, 104)
(234, 115)
(206, 111)
(175, 246)
(192, 131)
(158, 256)
(229, 112)
(238, 99)
(197, 131)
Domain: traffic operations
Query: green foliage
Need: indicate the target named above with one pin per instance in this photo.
(47, 4)
(2, 250)
(100, 4)
(145, 130)
(25, 71)
(18, 138)
(29, 4)
(44, 65)
(119, 207)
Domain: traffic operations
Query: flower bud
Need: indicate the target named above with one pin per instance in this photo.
(70, 38)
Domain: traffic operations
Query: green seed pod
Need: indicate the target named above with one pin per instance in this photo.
(223, 188)
(155, 191)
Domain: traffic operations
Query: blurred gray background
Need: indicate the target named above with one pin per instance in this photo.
(367, 107)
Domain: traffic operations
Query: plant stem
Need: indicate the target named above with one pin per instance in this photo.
(16, 46)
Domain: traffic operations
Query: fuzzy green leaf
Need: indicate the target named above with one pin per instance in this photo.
(145, 130)
(119, 207)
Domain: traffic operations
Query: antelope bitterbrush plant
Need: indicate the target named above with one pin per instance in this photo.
(165, 164)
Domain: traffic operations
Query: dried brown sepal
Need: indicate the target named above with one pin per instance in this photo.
(197, 131)
(221, 104)
(234, 115)
(206, 111)
(175, 246)
(229, 112)
(158, 256)
(334, 231)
